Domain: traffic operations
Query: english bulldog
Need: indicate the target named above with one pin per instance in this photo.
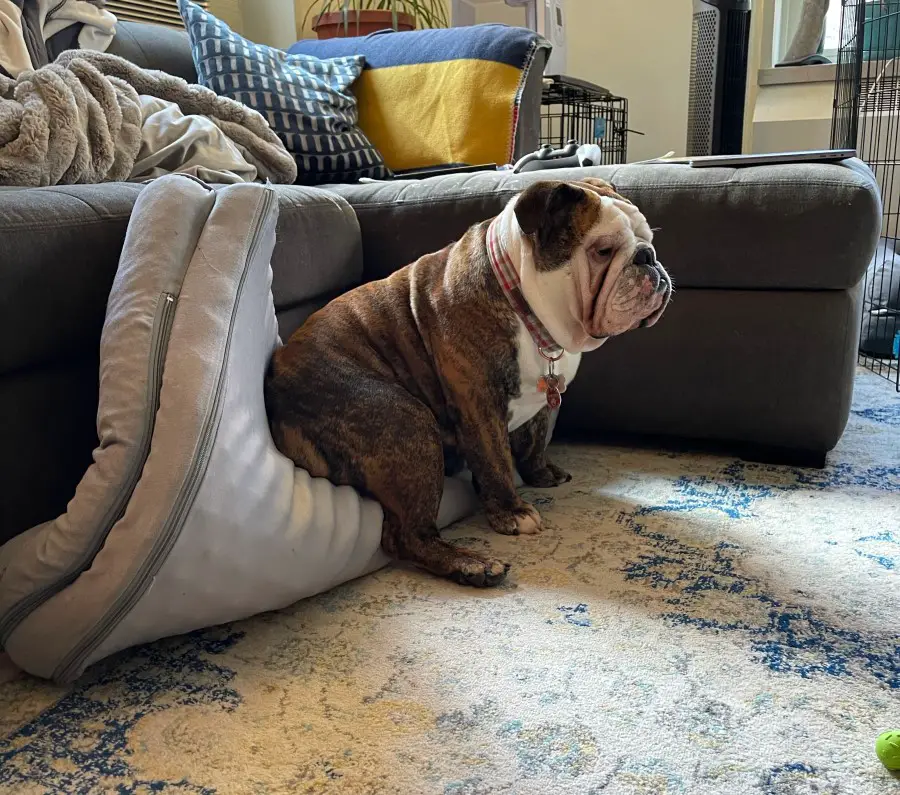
(459, 359)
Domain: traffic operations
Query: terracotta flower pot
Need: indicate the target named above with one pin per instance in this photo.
(359, 23)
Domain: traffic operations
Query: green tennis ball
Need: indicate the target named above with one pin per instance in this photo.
(887, 747)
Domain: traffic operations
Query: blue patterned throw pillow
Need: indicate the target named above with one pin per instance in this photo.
(306, 100)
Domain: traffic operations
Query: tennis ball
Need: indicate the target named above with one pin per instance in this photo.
(887, 747)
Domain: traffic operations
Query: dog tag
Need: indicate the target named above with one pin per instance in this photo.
(554, 398)
(559, 382)
(553, 385)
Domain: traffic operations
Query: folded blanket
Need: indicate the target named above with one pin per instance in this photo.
(173, 142)
(433, 97)
(79, 120)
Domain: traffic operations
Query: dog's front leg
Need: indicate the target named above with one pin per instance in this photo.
(528, 443)
(485, 443)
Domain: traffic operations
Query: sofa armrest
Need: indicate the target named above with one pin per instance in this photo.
(758, 347)
(528, 129)
(804, 226)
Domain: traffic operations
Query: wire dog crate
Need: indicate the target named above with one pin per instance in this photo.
(576, 110)
(867, 117)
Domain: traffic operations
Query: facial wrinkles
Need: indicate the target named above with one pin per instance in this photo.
(617, 230)
(638, 223)
(583, 285)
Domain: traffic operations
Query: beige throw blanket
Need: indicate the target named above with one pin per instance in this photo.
(80, 120)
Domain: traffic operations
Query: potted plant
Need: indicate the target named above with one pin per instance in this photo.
(341, 18)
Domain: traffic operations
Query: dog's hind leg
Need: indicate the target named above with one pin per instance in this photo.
(384, 442)
(406, 475)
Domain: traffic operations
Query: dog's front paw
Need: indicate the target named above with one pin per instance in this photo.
(522, 520)
(545, 478)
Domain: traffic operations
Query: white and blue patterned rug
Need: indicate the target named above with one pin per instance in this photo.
(686, 624)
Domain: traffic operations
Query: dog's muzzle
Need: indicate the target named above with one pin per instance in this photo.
(645, 260)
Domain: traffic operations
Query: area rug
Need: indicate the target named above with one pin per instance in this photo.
(685, 624)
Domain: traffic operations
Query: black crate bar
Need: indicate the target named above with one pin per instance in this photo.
(867, 117)
(587, 114)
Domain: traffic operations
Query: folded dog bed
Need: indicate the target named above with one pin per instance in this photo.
(189, 516)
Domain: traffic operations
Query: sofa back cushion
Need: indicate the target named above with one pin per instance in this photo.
(155, 47)
(433, 97)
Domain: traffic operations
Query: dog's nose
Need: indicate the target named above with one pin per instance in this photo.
(644, 256)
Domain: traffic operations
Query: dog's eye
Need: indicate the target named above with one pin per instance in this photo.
(603, 253)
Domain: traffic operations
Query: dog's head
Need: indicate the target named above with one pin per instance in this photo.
(593, 271)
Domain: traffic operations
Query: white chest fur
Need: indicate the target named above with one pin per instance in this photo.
(531, 367)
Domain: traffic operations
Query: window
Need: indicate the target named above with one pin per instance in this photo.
(787, 17)
(832, 30)
(163, 12)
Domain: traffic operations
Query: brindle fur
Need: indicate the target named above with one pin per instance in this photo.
(395, 383)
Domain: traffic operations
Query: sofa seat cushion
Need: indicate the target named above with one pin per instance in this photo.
(716, 227)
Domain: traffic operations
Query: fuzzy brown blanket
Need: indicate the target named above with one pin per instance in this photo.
(78, 120)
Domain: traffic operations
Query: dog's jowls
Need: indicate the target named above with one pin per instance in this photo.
(400, 381)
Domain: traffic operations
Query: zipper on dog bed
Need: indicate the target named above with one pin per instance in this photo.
(159, 344)
(71, 665)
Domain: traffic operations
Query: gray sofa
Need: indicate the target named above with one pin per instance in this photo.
(756, 353)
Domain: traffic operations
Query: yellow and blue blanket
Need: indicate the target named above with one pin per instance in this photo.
(431, 97)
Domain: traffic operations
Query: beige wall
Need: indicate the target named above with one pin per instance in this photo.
(265, 21)
(230, 12)
(792, 117)
(639, 49)
(269, 22)
(300, 8)
(498, 11)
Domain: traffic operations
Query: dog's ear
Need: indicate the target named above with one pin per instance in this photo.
(602, 188)
(547, 205)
